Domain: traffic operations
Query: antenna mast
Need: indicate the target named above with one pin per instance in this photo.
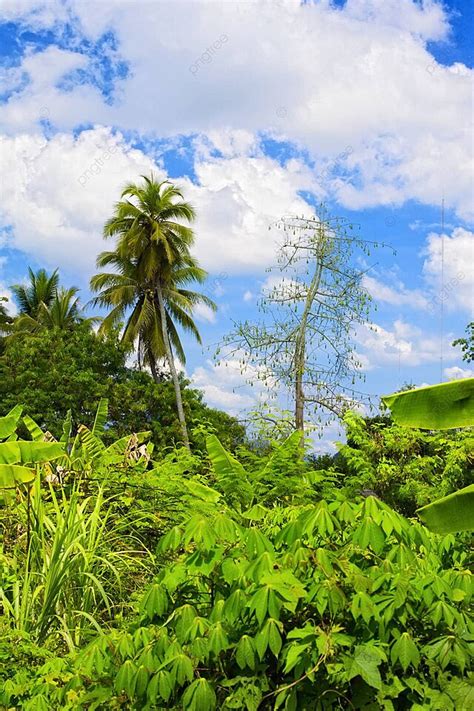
(441, 312)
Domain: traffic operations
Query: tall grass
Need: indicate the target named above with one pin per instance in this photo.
(70, 580)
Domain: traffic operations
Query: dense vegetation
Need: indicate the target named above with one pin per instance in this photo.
(193, 582)
(156, 556)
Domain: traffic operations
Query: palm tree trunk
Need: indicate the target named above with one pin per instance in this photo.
(154, 371)
(174, 374)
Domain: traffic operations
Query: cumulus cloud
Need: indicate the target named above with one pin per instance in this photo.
(448, 268)
(360, 76)
(396, 296)
(237, 201)
(403, 344)
(225, 385)
(455, 373)
(61, 191)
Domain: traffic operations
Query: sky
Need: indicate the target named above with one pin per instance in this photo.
(257, 110)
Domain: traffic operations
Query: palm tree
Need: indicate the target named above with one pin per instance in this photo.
(126, 291)
(40, 291)
(153, 266)
(5, 319)
(62, 312)
(44, 304)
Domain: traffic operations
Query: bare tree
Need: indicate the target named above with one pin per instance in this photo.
(309, 310)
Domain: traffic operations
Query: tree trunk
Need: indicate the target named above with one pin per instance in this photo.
(299, 392)
(174, 374)
(300, 348)
(154, 371)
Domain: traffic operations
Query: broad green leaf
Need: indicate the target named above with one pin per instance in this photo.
(155, 601)
(200, 530)
(182, 669)
(259, 603)
(231, 475)
(90, 442)
(217, 639)
(12, 475)
(141, 681)
(256, 513)
(160, 685)
(67, 427)
(436, 407)
(365, 664)
(125, 679)
(245, 654)
(8, 425)
(370, 534)
(451, 513)
(22, 452)
(34, 429)
(201, 491)
(100, 417)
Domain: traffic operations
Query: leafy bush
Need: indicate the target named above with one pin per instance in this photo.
(406, 468)
(308, 607)
(265, 587)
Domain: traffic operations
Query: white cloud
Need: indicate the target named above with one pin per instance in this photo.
(225, 386)
(451, 278)
(248, 296)
(456, 372)
(61, 191)
(204, 313)
(358, 76)
(397, 296)
(404, 345)
(237, 200)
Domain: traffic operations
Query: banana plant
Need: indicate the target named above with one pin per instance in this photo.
(86, 449)
(17, 456)
(444, 406)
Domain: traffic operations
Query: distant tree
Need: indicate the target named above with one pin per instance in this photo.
(44, 304)
(38, 293)
(53, 370)
(467, 344)
(304, 339)
(5, 318)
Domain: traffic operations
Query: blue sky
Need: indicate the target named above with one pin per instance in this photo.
(257, 109)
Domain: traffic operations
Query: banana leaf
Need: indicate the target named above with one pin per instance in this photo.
(8, 426)
(436, 407)
(23, 452)
(451, 513)
(11, 475)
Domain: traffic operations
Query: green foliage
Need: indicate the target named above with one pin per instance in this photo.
(443, 406)
(405, 467)
(450, 405)
(451, 513)
(467, 344)
(335, 602)
(56, 371)
(193, 581)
